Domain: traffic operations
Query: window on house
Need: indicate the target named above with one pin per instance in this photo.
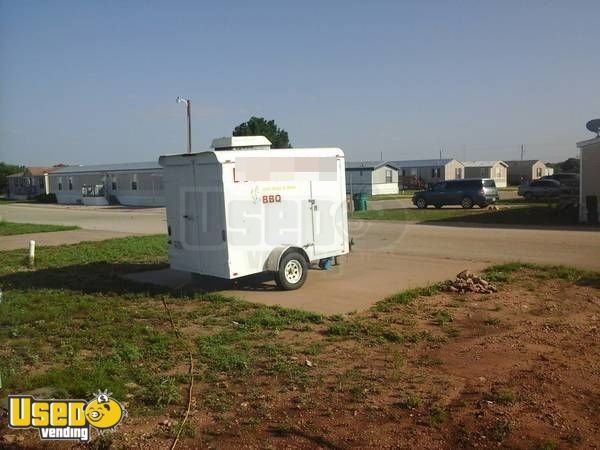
(436, 172)
(458, 173)
(60, 184)
(538, 172)
(498, 172)
(41, 182)
(134, 183)
(113, 183)
(70, 183)
(388, 176)
(403, 172)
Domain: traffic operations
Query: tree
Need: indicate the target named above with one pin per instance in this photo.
(6, 170)
(570, 165)
(258, 126)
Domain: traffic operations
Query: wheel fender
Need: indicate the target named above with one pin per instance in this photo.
(272, 262)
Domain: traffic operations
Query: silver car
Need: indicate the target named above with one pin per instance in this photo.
(538, 189)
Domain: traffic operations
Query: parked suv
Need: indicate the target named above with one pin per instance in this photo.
(542, 188)
(467, 192)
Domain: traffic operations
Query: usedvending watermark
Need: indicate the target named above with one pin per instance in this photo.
(59, 419)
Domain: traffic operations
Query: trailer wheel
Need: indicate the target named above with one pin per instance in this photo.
(292, 272)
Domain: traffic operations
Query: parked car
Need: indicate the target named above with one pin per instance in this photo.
(565, 179)
(467, 192)
(542, 188)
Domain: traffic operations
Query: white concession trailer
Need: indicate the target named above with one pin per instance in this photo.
(244, 208)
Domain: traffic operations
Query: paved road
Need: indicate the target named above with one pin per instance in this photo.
(388, 256)
(107, 218)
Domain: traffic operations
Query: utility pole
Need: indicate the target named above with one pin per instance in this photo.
(188, 105)
(522, 151)
(381, 155)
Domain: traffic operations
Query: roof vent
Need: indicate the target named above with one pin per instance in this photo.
(241, 143)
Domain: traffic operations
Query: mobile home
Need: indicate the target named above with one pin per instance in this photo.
(496, 170)
(131, 184)
(371, 177)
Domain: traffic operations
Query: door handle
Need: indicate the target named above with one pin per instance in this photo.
(186, 217)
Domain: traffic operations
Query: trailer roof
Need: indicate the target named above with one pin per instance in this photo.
(123, 167)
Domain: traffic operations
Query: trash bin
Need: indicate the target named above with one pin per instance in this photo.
(360, 201)
(591, 205)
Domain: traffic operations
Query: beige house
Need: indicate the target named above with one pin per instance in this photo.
(31, 182)
(521, 171)
(430, 170)
(589, 179)
(371, 177)
(497, 170)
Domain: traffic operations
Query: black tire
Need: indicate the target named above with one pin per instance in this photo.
(421, 203)
(438, 206)
(528, 196)
(483, 205)
(293, 270)
(466, 203)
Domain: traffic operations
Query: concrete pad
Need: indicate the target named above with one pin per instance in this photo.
(57, 238)
(360, 281)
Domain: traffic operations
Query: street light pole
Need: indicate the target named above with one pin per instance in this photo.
(188, 105)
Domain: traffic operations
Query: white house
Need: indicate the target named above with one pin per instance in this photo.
(132, 184)
(589, 179)
(497, 170)
(371, 177)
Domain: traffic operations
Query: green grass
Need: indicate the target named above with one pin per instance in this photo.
(364, 330)
(503, 272)
(406, 297)
(502, 396)
(12, 228)
(405, 194)
(518, 215)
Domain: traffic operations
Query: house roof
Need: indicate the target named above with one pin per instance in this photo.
(35, 171)
(524, 162)
(15, 175)
(371, 165)
(123, 167)
(483, 163)
(421, 162)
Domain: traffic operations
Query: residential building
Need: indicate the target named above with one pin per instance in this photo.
(589, 179)
(30, 183)
(423, 171)
(371, 177)
(497, 170)
(131, 184)
(521, 171)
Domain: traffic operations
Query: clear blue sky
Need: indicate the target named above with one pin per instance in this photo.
(94, 82)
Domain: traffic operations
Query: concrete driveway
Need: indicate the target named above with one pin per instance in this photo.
(388, 256)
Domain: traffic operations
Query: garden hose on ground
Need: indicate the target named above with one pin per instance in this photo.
(187, 347)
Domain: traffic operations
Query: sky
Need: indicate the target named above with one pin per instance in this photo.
(85, 82)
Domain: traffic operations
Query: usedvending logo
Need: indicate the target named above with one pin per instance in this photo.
(65, 419)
